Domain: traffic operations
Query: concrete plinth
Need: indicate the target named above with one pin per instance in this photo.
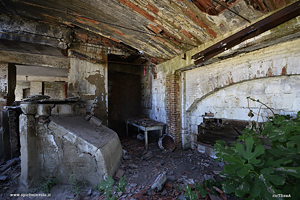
(65, 145)
(74, 146)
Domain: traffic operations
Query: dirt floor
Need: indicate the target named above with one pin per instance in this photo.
(141, 169)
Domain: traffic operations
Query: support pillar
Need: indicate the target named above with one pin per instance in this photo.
(29, 155)
(173, 106)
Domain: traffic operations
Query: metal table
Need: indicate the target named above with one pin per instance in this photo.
(145, 124)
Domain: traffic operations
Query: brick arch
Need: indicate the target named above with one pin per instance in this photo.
(218, 76)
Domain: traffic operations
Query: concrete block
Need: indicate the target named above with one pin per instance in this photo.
(95, 121)
(62, 109)
(43, 110)
(88, 117)
(200, 148)
(91, 153)
(28, 108)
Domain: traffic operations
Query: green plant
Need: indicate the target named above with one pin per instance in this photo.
(207, 185)
(107, 187)
(75, 185)
(47, 183)
(190, 195)
(253, 172)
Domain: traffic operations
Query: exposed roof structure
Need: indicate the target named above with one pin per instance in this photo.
(161, 29)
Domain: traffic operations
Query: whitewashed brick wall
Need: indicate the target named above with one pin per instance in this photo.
(158, 109)
(271, 75)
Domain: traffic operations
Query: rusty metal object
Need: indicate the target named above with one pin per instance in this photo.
(166, 143)
(264, 25)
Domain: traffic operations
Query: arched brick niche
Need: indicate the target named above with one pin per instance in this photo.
(271, 75)
(281, 93)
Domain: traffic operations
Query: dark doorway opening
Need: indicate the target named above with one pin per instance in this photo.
(124, 95)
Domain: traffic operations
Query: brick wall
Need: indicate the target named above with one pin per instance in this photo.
(165, 99)
(173, 106)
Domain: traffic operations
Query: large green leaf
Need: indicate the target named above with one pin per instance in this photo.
(294, 141)
(106, 185)
(292, 190)
(242, 189)
(294, 171)
(249, 155)
(255, 189)
(276, 163)
(190, 195)
(229, 186)
(275, 179)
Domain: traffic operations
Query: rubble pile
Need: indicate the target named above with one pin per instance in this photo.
(10, 171)
(151, 174)
(160, 175)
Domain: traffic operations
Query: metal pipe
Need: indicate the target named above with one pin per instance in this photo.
(283, 15)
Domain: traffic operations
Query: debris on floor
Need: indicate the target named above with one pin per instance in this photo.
(151, 174)
(10, 172)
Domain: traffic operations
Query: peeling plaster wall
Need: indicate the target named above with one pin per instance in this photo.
(19, 89)
(55, 90)
(271, 75)
(3, 84)
(36, 88)
(89, 81)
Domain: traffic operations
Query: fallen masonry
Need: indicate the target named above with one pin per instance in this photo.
(181, 168)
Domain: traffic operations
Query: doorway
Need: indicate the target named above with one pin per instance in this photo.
(124, 96)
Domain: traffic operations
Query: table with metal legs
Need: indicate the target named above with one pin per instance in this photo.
(145, 124)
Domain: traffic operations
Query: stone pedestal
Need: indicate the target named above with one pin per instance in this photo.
(56, 140)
